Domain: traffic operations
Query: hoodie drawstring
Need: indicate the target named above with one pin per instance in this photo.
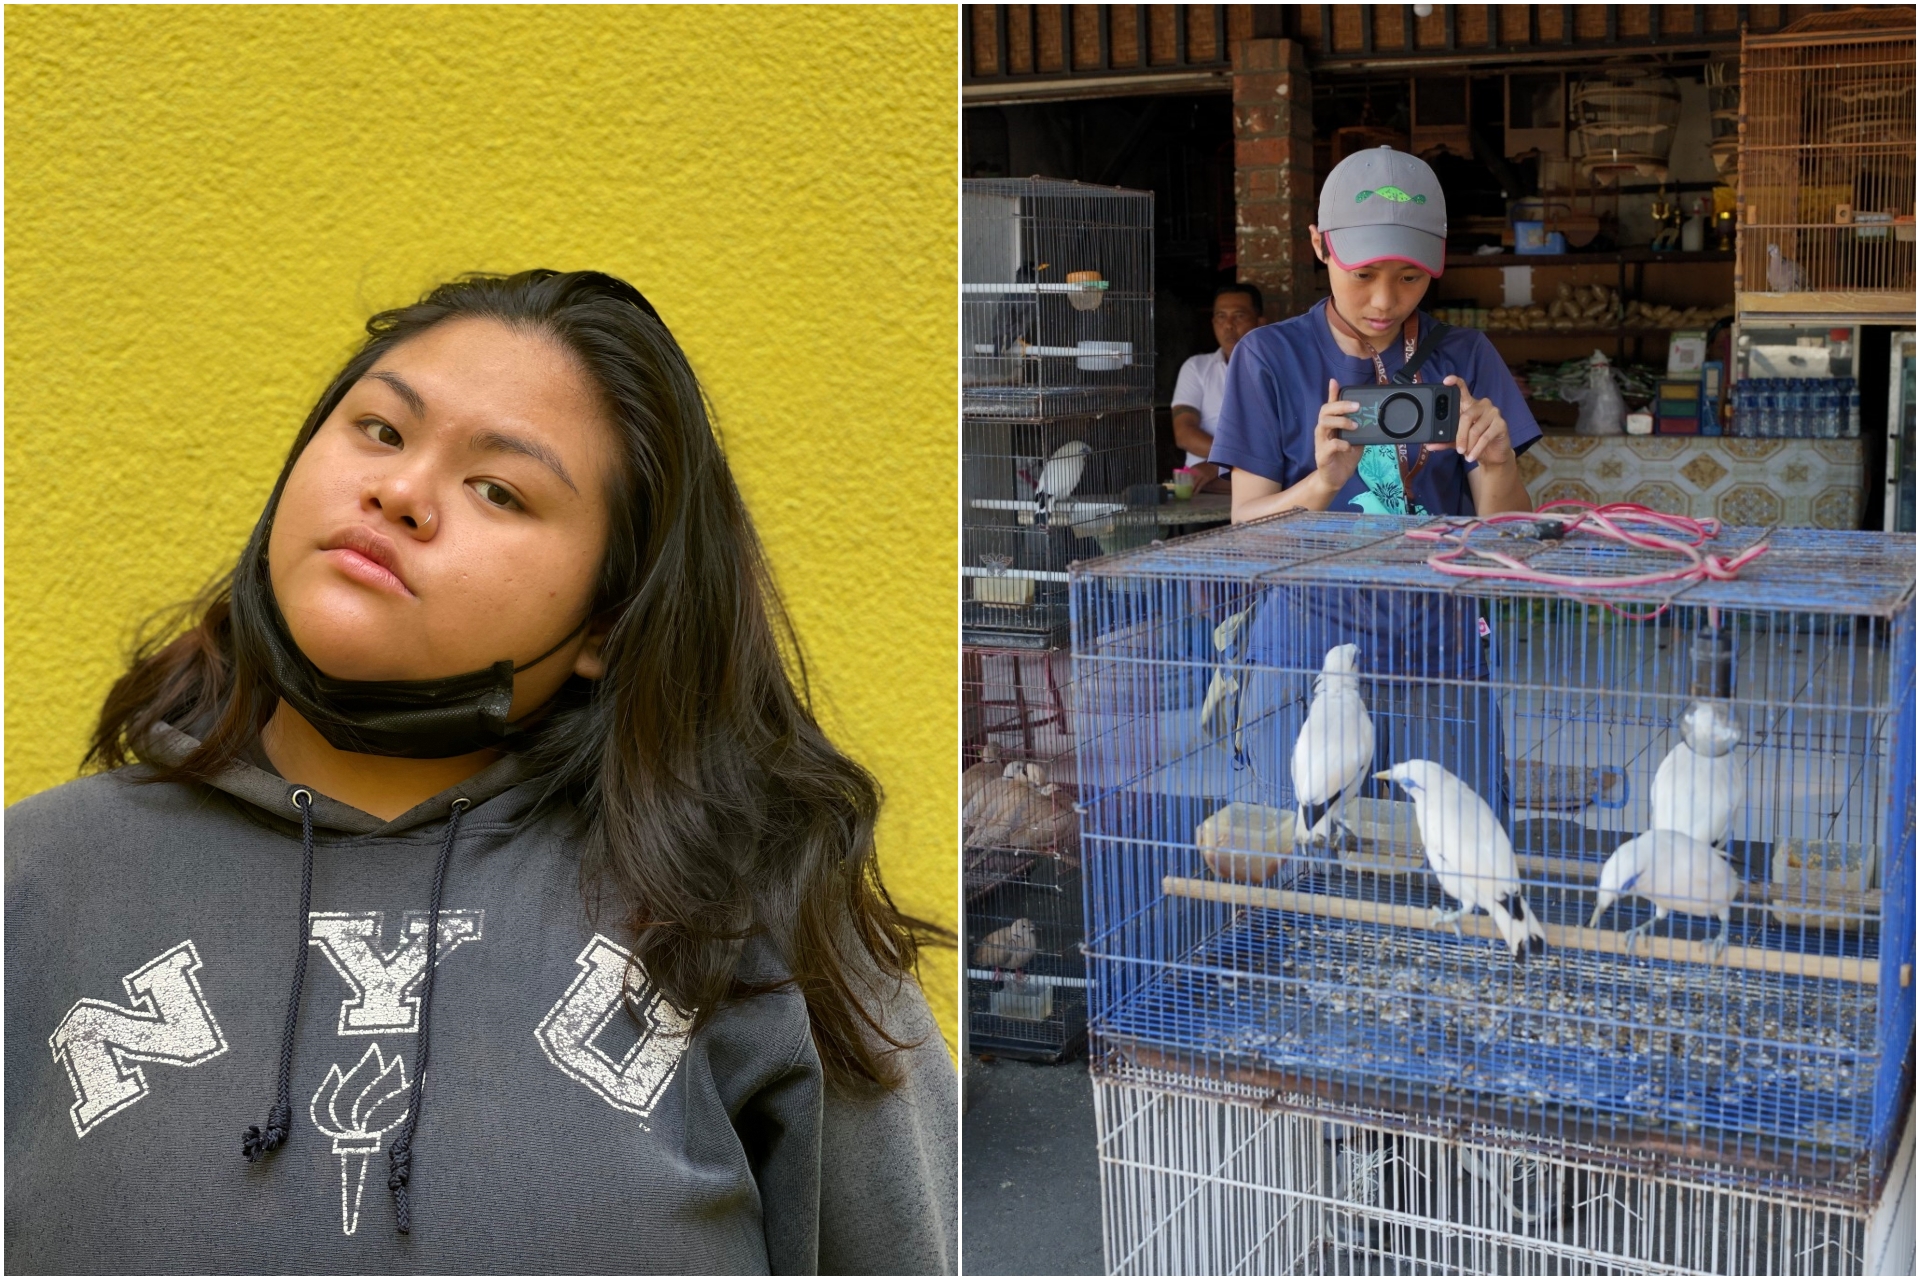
(258, 1142)
(280, 1120)
(400, 1159)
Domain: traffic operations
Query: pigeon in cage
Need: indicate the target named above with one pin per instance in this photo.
(1023, 809)
(1058, 479)
(998, 806)
(974, 778)
(1469, 852)
(1010, 947)
(1783, 273)
(1702, 782)
(1335, 747)
(1675, 872)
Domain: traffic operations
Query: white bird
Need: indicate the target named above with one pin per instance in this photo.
(1335, 747)
(1783, 274)
(1702, 782)
(1676, 873)
(1059, 478)
(1469, 852)
(1009, 947)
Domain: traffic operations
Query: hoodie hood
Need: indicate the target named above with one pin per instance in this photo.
(273, 795)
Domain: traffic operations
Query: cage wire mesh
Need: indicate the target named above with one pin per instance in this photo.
(1652, 890)
(1040, 494)
(1026, 979)
(1249, 1184)
(1056, 297)
(1827, 156)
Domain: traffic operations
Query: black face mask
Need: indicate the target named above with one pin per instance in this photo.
(414, 719)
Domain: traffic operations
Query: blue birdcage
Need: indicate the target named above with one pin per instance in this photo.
(1745, 1022)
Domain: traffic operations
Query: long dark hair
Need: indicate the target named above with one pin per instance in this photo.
(713, 807)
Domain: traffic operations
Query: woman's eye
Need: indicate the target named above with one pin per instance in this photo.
(382, 432)
(498, 495)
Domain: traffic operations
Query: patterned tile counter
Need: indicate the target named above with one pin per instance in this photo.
(1742, 481)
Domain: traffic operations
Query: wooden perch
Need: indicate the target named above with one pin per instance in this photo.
(1606, 941)
(1408, 857)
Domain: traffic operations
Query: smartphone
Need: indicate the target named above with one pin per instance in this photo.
(1402, 413)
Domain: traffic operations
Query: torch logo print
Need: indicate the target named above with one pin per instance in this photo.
(356, 1109)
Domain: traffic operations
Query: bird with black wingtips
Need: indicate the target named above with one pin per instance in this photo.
(1470, 853)
(1058, 479)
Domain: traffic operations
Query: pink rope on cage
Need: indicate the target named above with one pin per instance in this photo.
(1684, 536)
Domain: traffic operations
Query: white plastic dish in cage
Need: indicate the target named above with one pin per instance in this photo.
(1095, 356)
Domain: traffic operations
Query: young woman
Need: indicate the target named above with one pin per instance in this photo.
(492, 723)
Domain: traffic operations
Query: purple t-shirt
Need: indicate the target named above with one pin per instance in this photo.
(1277, 381)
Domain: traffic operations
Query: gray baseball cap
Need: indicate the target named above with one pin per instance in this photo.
(1384, 204)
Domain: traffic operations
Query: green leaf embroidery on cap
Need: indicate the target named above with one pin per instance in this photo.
(1396, 195)
(1362, 197)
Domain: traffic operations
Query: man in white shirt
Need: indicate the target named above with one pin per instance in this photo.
(1202, 385)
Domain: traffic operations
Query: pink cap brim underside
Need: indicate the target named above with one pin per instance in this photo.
(1434, 271)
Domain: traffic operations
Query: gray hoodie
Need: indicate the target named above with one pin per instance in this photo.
(150, 948)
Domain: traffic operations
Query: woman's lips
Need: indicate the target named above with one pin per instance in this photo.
(362, 568)
(1378, 326)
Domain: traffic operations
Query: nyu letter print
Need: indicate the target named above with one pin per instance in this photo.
(385, 984)
(567, 1034)
(101, 1044)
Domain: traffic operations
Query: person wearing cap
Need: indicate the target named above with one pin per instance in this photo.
(1202, 385)
(1382, 232)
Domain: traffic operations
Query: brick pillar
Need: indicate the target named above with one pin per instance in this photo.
(1275, 199)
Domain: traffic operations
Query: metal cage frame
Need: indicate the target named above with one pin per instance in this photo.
(1783, 1062)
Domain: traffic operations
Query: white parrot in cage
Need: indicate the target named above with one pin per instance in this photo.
(1702, 782)
(1058, 479)
(1469, 852)
(1335, 747)
(1676, 873)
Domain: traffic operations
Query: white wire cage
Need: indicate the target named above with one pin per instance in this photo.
(1020, 836)
(1056, 297)
(1767, 1033)
(1253, 1183)
(1040, 494)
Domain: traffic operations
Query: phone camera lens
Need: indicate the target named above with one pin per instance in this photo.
(1400, 416)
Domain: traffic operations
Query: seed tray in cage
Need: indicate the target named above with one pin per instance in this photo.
(1540, 785)
(1582, 1044)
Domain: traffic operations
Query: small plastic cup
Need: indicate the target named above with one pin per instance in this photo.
(1182, 484)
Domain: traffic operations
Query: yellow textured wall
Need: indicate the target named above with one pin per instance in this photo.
(203, 205)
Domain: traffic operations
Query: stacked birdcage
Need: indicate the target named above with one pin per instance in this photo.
(1026, 988)
(1599, 956)
(1058, 465)
(1827, 164)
